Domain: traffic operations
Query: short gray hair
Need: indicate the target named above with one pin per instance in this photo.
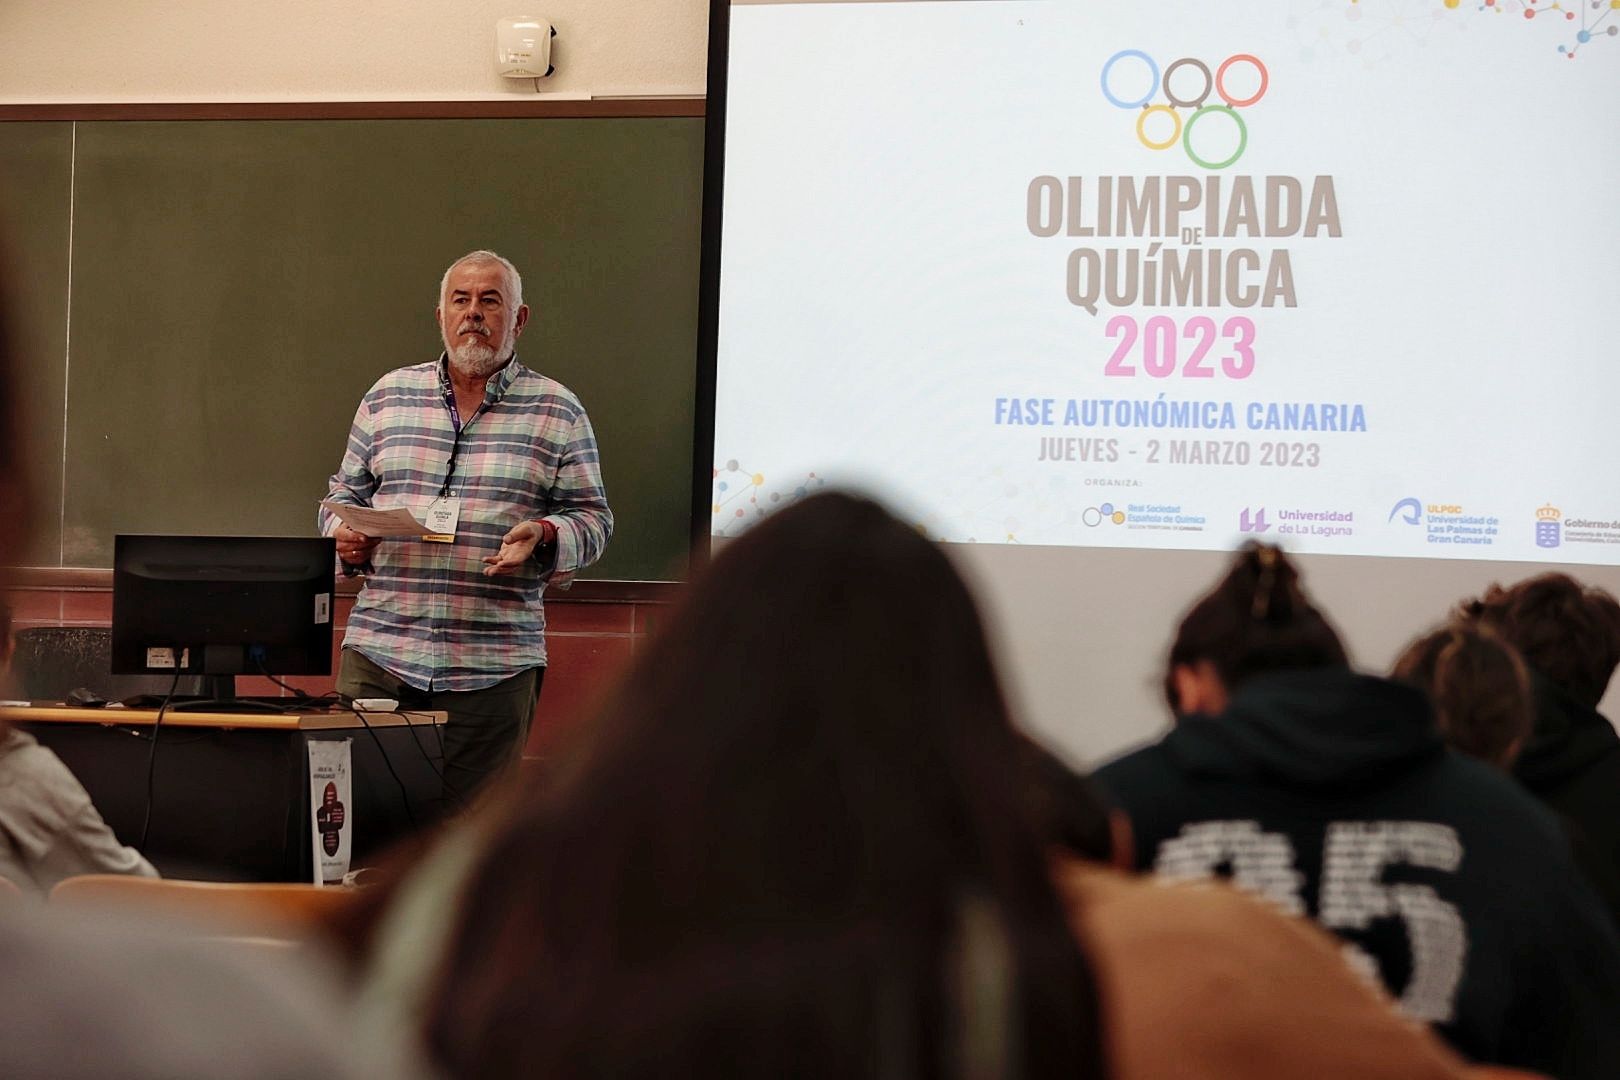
(482, 256)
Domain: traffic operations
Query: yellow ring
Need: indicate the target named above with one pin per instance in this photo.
(1142, 120)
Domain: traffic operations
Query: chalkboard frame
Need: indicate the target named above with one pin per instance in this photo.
(594, 590)
(708, 343)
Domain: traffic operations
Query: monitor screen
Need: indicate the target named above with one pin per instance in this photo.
(222, 605)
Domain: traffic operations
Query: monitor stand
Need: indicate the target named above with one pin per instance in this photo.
(219, 695)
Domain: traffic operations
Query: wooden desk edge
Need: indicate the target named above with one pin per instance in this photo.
(122, 717)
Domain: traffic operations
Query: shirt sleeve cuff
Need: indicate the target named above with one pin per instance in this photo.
(566, 558)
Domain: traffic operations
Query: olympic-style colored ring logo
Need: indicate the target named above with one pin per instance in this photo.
(1213, 82)
(1096, 515)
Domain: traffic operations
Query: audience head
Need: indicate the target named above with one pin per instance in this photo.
(1479, 687)
(782, 844)
(1568, 633)
(1256, 620)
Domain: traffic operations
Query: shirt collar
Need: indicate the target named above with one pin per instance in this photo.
(494, 389)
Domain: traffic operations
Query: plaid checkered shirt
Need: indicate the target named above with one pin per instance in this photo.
(427, 613)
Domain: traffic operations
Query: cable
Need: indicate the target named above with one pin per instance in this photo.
(438, 737)
(300, 697)
(151, 763)
(334, 697)
(444, 782)
(404, 795)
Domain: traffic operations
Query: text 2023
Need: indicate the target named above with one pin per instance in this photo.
(1161, 338)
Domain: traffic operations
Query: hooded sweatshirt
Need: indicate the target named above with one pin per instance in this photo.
(1572, 764)
(1332, 795)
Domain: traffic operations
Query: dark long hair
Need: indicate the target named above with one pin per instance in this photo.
(1257, 619)
(797, 842)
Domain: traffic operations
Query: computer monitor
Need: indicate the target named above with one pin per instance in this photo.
(222, 606)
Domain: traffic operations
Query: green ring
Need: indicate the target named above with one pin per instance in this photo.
(1243, 136)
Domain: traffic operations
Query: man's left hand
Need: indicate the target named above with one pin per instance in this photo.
(516, 547)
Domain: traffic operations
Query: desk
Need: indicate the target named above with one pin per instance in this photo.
(231, 790)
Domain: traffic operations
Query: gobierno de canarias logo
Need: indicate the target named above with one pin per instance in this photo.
(1213, 136)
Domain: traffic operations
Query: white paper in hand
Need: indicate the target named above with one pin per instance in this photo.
(364, 519)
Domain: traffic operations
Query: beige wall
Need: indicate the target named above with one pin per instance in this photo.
(281, 50)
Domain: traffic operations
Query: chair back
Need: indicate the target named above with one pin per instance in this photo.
(279, 911)
(52, 660)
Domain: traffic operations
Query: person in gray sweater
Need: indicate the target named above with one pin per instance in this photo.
(49, 830)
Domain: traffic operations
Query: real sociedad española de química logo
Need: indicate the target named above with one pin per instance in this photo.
(1222, 134)
(1096, 515)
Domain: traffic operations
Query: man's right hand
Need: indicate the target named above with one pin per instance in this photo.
(353, 547)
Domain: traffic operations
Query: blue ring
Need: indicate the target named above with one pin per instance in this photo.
(1110, 66)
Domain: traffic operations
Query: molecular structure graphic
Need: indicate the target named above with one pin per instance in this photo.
(1598, 18)
(740, 497)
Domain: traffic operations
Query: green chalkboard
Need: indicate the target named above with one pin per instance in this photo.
(35, 181)
(231, 288)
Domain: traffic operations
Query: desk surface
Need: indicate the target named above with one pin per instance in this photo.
(227, 796)
(118, 715)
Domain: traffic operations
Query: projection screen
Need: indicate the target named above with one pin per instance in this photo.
(1097, 290)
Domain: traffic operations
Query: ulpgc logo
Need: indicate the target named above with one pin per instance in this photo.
(1410, 511)
(1213, 136)
(1445, 522)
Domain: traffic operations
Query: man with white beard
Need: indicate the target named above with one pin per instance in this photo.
(502, 463)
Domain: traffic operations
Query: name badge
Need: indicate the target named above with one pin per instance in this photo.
(441, 518)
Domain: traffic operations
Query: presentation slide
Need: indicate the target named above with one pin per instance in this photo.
(1339, 274)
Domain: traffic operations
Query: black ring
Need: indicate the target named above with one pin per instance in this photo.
(1209, 83)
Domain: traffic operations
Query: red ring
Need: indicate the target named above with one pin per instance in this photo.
(1265, 80)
